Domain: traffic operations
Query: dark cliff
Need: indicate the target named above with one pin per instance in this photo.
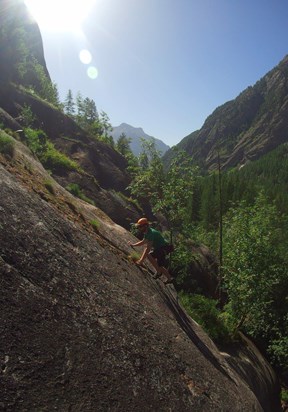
(20, 41)
(245, 128)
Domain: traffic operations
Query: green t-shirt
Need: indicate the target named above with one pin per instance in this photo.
(155, 238)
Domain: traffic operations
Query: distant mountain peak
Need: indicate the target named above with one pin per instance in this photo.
(135, 134)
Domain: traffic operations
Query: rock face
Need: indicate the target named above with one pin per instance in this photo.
(16, 24)
(84, 329)
(249, 363)
(105, 174)
(245, 128)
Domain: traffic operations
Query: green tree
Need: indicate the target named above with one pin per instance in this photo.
(87, 115)
(105, 128)
(123, 144)
(178, 191)
(88, 118)
(149, 178)
(90, 113)
(79, 108)
(48, 90)
(27, 115)
(144, 160)
(255, 275)
(169, 192)
(208, 213)
(69, 104)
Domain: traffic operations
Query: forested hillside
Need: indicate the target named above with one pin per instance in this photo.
(268, 174)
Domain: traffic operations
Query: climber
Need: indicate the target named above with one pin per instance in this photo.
(155, 250)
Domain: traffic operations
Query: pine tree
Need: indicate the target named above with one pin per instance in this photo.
(80, 107)
(69, 105)
(90, 112)
(123, 144)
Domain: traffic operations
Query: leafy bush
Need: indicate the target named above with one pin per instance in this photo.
(55, 160)
(6, 144)
(255, 264)
(284, 395)
(76, 191)
(27, 115)
(278, 349)
(36, 141)
(49, 156)
(204, 311)
(181, 264)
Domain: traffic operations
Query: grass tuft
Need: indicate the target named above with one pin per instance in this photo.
(6, 145)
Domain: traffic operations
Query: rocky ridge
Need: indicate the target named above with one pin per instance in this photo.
(136, 134)
(245, 128)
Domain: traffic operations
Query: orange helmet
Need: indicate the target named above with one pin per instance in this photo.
(142, 222)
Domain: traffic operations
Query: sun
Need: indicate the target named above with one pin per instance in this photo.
(60, 15)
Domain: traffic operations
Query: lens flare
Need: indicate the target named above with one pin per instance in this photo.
(85, 56)
(92, 72)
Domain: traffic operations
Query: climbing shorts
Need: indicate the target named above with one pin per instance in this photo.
(160, 255)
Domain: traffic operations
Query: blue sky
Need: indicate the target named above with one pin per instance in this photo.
(165, 65)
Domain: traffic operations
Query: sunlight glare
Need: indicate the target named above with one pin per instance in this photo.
(60, 15)
(85, 56)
